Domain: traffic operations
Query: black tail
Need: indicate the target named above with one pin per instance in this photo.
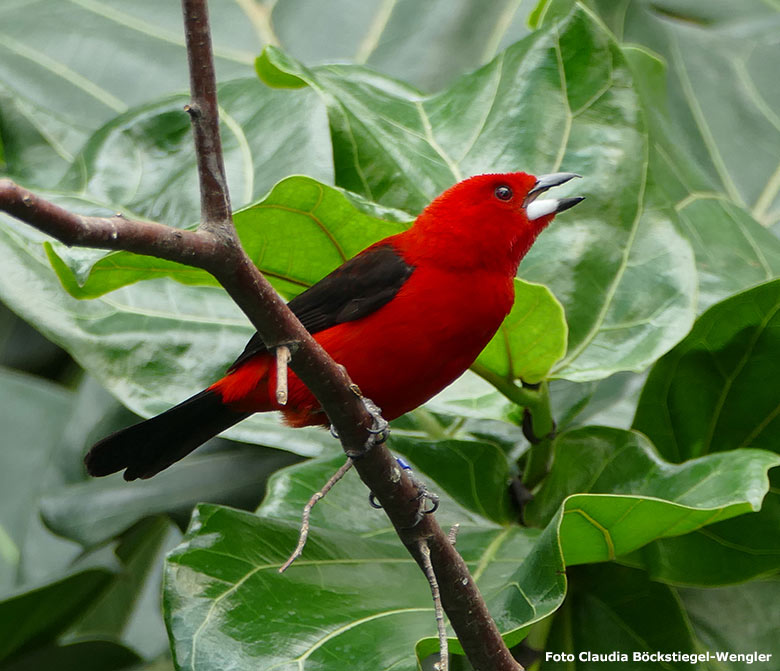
(146, 448)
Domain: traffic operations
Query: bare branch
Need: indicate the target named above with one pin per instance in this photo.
(204, 114)
(441, 626)
(307, 513)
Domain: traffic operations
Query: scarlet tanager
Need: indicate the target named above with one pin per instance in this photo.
(406, 317)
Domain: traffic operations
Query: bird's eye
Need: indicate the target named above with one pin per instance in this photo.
(503, 192)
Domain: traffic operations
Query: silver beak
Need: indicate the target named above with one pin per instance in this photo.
(540, 208)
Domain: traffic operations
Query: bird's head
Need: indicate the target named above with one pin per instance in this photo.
(489, 221)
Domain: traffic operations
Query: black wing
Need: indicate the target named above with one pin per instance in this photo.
(355, 289)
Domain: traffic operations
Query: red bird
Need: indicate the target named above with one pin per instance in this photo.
(406, 317)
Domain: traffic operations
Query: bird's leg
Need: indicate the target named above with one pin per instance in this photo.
(423, 495)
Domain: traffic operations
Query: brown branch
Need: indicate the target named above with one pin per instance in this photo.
(204, 114)
(214, 247)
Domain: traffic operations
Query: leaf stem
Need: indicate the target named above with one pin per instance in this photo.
(536, 419)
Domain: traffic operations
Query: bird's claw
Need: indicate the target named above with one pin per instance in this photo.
(378, 431)
(422, 496)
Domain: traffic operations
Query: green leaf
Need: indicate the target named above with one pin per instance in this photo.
(612, 610)
(531, 339)
(717, 390)
(710, 48)
(227, 563)
(474, 473)
(128, 610)
(80, 656)
(733, 250)
(57, 95)
(616, 610)
(752, 619)
(37, 616)
(399, 147)
(233, 558)
(93, 511)
(143, 163)
(627, 496)
(395, 37)
(323, 222)
(609, 402)
(720, 554)
(32, 415)
(220, 585)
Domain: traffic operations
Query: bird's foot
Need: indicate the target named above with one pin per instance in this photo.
(378, 432)
(428, 502)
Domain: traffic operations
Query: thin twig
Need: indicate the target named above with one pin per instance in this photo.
(425, 553)
(304, 534)
(204, 115)
(452, 536)
(282, 359)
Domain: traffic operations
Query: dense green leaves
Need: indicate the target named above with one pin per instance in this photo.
(717, 390)
(221, 608)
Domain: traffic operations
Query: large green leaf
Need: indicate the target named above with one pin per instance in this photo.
(142, 162)
(627, 494)
(32, 415)
(220, 583)
(324, 225)
(752, 618)
(622, 272)
(711, 47)
(733, 250)
(68, 67)
(52, 95)
(30, 618)
(717, 390)
(128, 610)
(612, 610)
(706, 113)
(93, 511)
(734, 550)
(395, 37)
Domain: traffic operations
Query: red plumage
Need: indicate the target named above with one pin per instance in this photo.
(406, 317)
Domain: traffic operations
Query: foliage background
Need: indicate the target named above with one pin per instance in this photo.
(668, 109)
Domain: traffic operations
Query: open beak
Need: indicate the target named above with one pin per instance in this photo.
(535, 208)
